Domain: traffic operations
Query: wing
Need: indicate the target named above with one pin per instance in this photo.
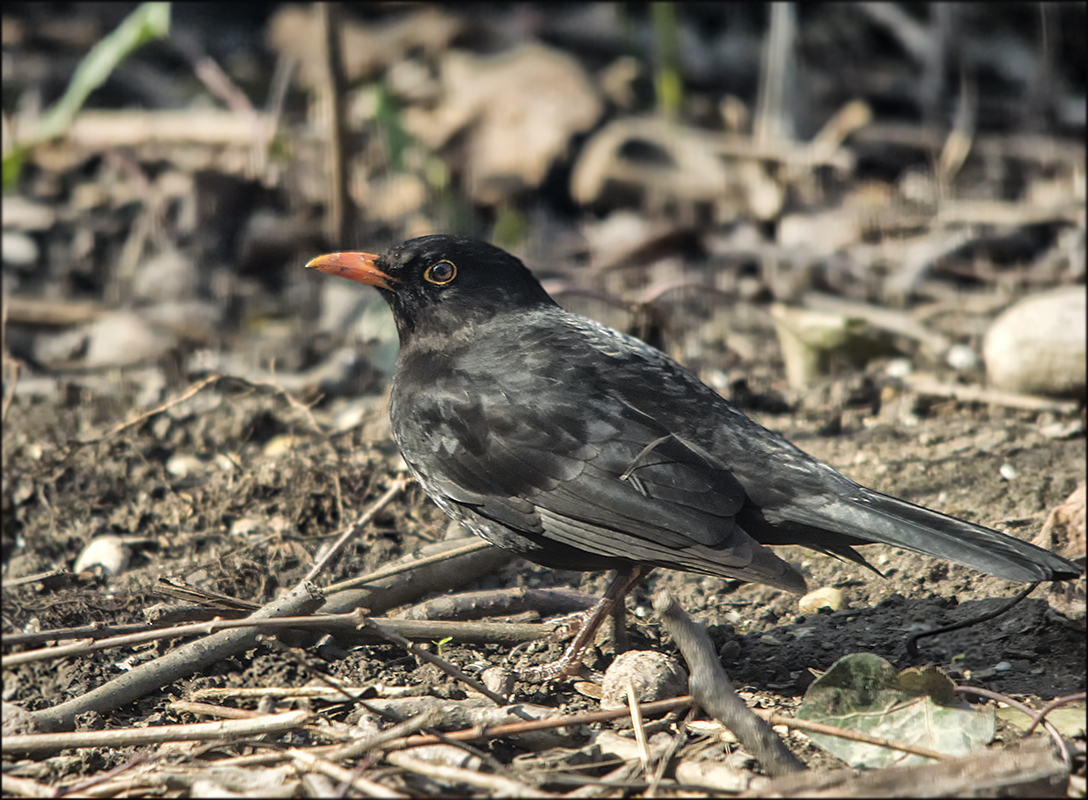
(587, 471)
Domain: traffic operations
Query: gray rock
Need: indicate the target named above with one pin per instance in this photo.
(1038, 345)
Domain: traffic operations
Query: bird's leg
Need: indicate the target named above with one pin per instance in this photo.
(570, 663)
(620, 640)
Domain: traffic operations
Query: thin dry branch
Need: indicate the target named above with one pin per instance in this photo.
(712, 691)
(38, 744)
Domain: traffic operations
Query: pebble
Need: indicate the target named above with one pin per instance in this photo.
(499, 680)
(1038, 345)
(961, 357)
(108, 553)
(826, 597)
(166, 276)
(19, 249)
(115, 339)
(655, 677)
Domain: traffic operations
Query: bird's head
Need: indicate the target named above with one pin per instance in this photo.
(441, 285)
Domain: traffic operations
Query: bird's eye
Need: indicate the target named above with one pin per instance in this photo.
(441, 273)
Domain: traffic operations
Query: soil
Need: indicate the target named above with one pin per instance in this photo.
(247, 526)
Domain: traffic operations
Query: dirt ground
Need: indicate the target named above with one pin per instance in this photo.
(248, 526)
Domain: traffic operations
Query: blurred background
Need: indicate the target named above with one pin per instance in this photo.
(168, 171)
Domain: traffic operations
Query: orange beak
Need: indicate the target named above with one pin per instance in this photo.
(353, 266)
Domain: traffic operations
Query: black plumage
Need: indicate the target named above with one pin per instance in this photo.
(583, 448)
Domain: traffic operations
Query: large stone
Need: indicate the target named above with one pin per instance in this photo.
(1037, 345)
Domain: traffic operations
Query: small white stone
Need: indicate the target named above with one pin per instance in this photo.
(899, 368)
(961, 357)
(826, 597)
(108, 553)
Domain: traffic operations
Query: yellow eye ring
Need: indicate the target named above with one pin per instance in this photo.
(441, 273)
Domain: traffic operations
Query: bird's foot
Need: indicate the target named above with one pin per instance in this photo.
(568, 665)
(567, 626)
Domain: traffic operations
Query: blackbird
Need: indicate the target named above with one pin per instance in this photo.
(582, 448)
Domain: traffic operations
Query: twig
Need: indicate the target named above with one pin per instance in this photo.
(10, 398)
(48, 313)
(50, 575)
(324, 728)
(97, 130)
(498, 785)
(443, 664)
(347, 778)
(1029, 770)
(500, 602)
(408, 727)
(397, 569)
(1001, 698)
(438, 574)
(190, 392)
(561, 721)
(507, 633)
(774, 121)
(331, 93)
(273, 113)
(353, 530)
(40, 743)
(854, 736)
(1057, 702)
(353, 751)
(639, 727)
(197, 387)
(185, 660)
(208, 72)
(977, 394)
(712, 690)
(82, 788)
(678, 741)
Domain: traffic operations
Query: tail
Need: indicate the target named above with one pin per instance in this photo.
(866, 516)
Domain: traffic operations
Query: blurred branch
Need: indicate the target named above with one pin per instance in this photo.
(773, 120)
(148, 22)
(333, 88)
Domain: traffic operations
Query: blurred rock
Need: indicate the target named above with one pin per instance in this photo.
(23, 214)
(812, 341)
(499, 680)
(820, 233)
(115, 339)
(192, 320)
(19, 249)
(1064, 533)
(17, 720)
(625, 748)
(1038, 345)
(168, 275)
(961, 357)
(720, 776)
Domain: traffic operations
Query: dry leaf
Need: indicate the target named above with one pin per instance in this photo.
(521, 109)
